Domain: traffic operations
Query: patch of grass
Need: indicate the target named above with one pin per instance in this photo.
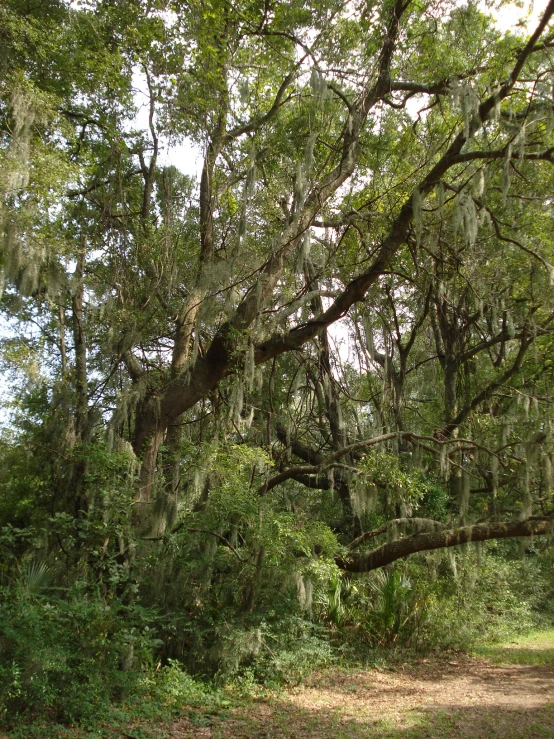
(535, 649)
(459, 723)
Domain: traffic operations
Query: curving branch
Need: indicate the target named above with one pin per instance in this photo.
(539, 156)
(187, 389)
(259, 121)
(356, 290)
(440, 439)
(419, 524)
(220, 360)
(428, 541)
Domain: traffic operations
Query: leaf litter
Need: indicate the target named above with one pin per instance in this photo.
(436, 697)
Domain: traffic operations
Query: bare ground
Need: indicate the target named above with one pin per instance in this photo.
(440, 698)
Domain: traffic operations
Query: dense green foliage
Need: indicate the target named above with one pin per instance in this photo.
(239, 398)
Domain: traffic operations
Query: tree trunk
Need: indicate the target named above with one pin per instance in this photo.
(81, 386)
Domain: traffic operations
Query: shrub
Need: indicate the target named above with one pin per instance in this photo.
(67, 658)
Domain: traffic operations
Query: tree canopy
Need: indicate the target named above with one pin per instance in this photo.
(330, 350)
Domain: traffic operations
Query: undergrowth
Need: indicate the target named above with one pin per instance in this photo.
(76, 657)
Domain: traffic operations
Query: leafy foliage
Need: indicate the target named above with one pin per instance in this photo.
(236, 392)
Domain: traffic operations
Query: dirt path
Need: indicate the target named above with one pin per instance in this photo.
(468, 697)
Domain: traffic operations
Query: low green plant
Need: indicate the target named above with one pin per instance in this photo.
(482, 596)
(67, 656)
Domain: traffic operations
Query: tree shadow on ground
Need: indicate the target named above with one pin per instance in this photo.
(282, 721)
(464, 698)
(525, 679)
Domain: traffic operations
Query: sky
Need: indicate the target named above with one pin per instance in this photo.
(507, 18)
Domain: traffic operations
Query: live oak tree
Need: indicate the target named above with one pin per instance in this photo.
(352, 300)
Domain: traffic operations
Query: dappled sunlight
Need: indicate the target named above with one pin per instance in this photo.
(325, 723)
(444, 697)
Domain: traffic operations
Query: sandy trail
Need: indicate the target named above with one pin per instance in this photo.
(437, 698)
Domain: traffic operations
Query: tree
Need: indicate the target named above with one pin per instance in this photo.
(377, 172)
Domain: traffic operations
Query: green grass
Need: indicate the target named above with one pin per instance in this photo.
(535, 649)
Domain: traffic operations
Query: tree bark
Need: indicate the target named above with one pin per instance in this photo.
(81, 386)
(428, 541)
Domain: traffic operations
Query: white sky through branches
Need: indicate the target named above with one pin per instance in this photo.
(520, 18)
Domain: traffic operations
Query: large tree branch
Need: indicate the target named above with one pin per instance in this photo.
(419, 524)
(314, 482)
(356, 290)
(418, 323)
(354, 449)
(187, 389)
(297, 448)
(259, 121)
(503, 336)
(429, 541)
(539, 156)
(148, 171)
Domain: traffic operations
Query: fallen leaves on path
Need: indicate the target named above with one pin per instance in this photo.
(440, 699)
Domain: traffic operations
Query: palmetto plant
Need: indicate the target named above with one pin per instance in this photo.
(339, 602)
(391, 604)
(34, 576)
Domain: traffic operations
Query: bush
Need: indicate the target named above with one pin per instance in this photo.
(172, 686)
(485, 598)
(283, 652)
(448, 599)
(67, 658)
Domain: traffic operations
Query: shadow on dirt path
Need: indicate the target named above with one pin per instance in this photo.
(465, 698)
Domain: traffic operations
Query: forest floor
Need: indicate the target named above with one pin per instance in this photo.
(503, 692)
(500, 692)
